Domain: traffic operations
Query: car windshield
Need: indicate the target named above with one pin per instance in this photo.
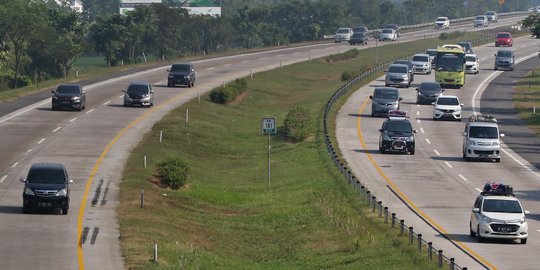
(68, 89)
(360, 29)
(358, 35)
(503, 35)
(470, 58)
(441, 19)
(180, 68)
(483, 132)
(46, 176)
(138, 89)
(501, 206)
(385, 94)
(402, 62)
(387, 31)
(504, 54)
(398, 126)
(480, 18)
(420, 58)
(450, 61)
(343, 31)
(491, 13)
(397, 69)
(430, 86)
(447, 101)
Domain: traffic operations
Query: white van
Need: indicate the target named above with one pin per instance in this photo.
(481, 138)
(343, 34)
(442, 23)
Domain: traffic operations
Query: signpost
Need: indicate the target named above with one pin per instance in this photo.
(268, 127)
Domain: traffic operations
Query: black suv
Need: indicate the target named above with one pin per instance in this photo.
(46, 186)
(396, 134)
(359, 38)
(139, 93)
(70, 96)
(181, 73)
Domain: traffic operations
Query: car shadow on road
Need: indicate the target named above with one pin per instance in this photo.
(11, 209)
(359, 115)
(453, 159)
(466, 238)
(366, 151)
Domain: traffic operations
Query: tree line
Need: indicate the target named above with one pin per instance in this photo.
(41, 40)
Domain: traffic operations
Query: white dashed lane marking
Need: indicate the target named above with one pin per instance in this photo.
(463, 177)
(29, 150)
(108, 102)
(245, 61)
(56, 129)
(417, 112)
(418, 121)
(428, 141)
(40, 141)
(436, 152)
(72, 119)
(210, 68)
(89, 111)
(262, 58)
(479, 190)
(226, 65)
(422, 130)
(3, 178)
(15, 164)
(448, 164)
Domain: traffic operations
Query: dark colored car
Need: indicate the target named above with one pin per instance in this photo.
(181, 73)
(359, 38)
(70, 96)
(46, 186)
(432, 55)
(384, 99)
(393, 26)
(139, 93)
(396, 135)
(504, 39)
(360, 29)
(428, 92)
(410, 64)
(467, 46)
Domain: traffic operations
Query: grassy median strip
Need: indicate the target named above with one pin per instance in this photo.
(227, 216)
(527, 100)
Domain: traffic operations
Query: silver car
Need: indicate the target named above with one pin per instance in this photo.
(504, 59)
(481, 21)
(388, 34)
(397, 74)
(384, 99)
(343, 34)
(139, 93)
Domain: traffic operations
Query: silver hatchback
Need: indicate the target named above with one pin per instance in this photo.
(139, 93)
(397, 74)
(384, 99)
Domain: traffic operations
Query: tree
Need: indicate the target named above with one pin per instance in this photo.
(109, 36)
(533, 22)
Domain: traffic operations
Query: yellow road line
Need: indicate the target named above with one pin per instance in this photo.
(80, 256)
(407, 200)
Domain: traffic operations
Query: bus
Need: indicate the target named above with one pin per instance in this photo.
(450, 66)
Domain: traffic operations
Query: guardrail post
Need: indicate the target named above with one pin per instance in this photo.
(439, 263)
(373, 199)
(452, 263)
(386, 215)
(411, 234)
(402, 226)
(419, 242)
(368, 195)
(393, 219)
(430, 251)
(380, 208)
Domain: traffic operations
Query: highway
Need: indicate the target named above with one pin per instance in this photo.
(436, 182)
(94, 145)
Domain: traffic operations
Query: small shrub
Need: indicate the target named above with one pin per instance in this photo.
(451, 35)
(227, 93)
(350, 54)
(345, 76)
(297, 124)
(173, 173)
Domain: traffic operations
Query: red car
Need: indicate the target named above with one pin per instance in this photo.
(504, 39)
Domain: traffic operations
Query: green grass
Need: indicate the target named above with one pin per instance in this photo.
(227, 217)
(526, 97)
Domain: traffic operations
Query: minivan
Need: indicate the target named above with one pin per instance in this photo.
(384, 99)
(343, 34)
(46, 186)
(504, 59)
(481, 138)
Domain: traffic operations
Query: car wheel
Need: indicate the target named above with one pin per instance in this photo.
(125, 104)
(54, 108)
(80, 108)
(479, 238)
(382, 151)
(523, 241)
(512, 69)
(411, 151)
(25, 209)
(498, 160)
(471, 233)
(494, 68)
(65, 211)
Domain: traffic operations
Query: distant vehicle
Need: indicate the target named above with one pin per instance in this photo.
(71, 96)
(46, 186)
(504, 39)
(422, 63)
(466, 45)
(428, 92)
(447, 107)
(497, 213)
(538, 9)
(504, 59)
(181, 73)
(481, 138)
(360, 29)
(388, 34)
(531, 10)
(452, 46)
(359, 38)
(139, 93)
(343, 34)
(383, 100)
(492, 16)
(450, 66)
(395, 27)
(432, 54)
(398, 75)
(410, 65)
(442, 23)
(481, 21)
(472, 63)
(396, 134)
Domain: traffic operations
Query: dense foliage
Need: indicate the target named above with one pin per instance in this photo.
(227, 93)
(296, 124)
(41, 40)
(173, 173)
(533, 22)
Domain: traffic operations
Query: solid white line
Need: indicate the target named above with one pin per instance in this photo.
(3, 178)
(106, 103)
(56, 129)
(89, 111)
(448, 164)
(29, 108)
(210, 68)
(422, 130)
(463, 177)
(428, 141)
(479, 190)
(73, 119)
(436, 152)
(15, 164)
(520, 163)
(40, 141)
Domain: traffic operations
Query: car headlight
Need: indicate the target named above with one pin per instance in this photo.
(486, 219)
(410, 139)
(495, 143)
(186, 77)
(76, 98)
(405, 76)
(28, 191)
(511, 60)
(54, 97)
(471, 142)
(171, 76)
(61, 193)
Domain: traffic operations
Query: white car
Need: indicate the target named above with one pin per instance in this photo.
(422, 63)
(447, 107)
(481, 21)
(497, 213)
(442, 23)
(343, 34)
(472, 63)
(388, 34)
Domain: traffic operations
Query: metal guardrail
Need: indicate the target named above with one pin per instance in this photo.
(368, 196)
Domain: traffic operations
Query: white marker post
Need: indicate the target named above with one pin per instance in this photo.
(268, 127)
